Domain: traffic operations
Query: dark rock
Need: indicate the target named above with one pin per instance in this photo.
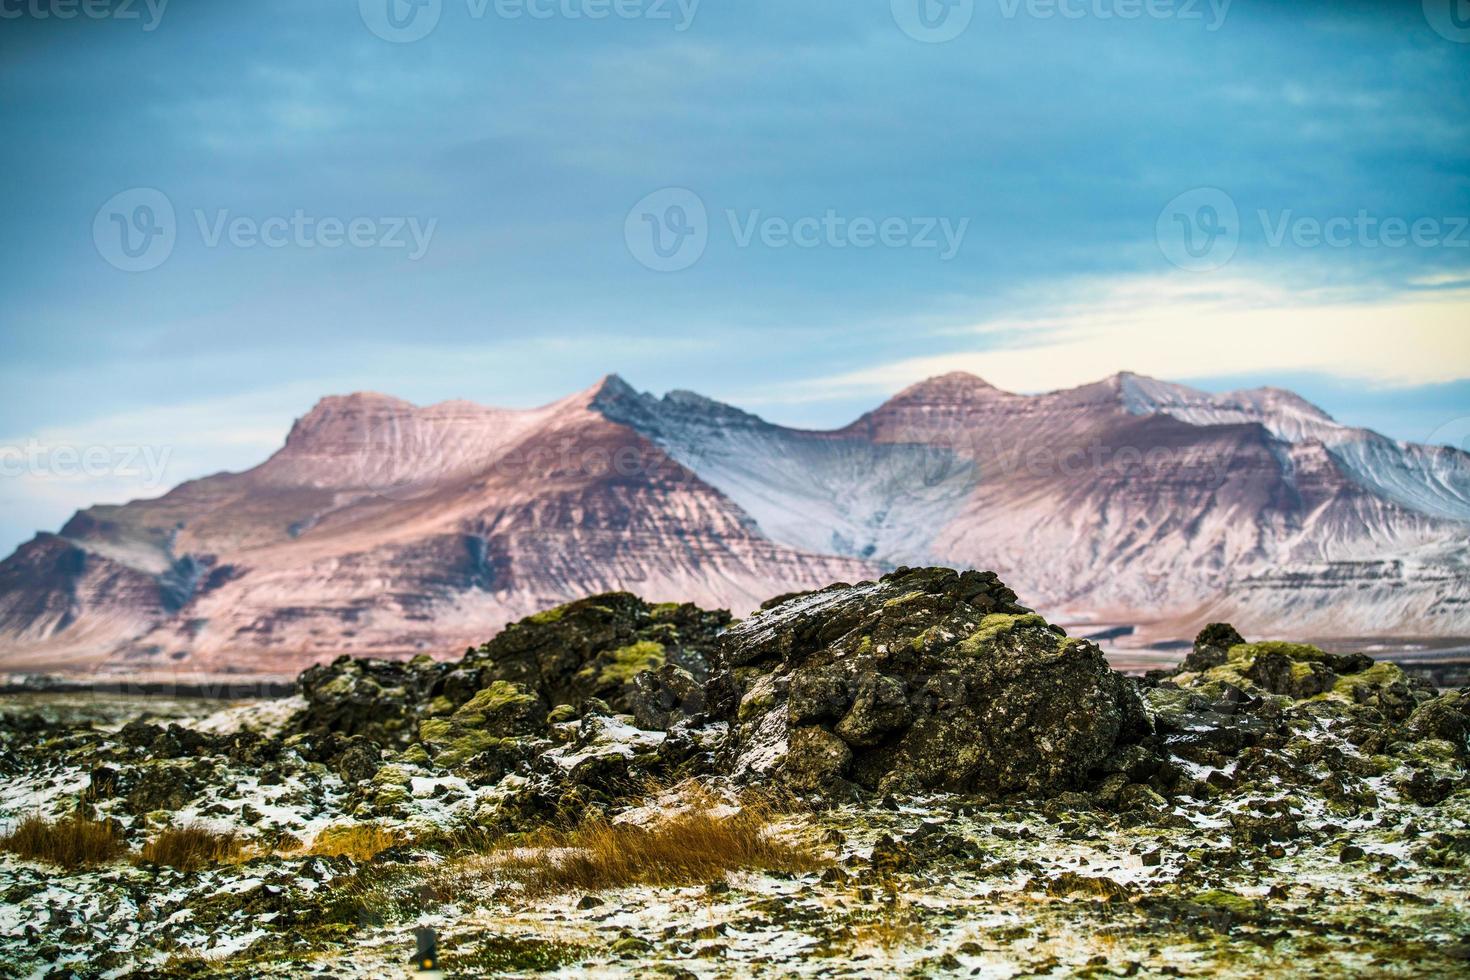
(664, 697)
(1446, 717)
(360, 760)
(376, 698)
(1137, 762)
(596, 647)
(1348, 663)
(930, 679)
(1192, 727)
(1425, 788)
(818, 696)
(879, 706)
(1211, 647)
(1280, 674)
(816, 759)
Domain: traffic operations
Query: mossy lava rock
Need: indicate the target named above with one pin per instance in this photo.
(594, 648)
(928, 679)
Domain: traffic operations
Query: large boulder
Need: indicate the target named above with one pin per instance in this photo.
(1445, 717)
(1212, 647)
(593, 649)
(1303, 672)
(928, 679)
(378, 699)
(500, 713)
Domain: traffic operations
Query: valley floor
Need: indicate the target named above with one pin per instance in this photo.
(929, 886)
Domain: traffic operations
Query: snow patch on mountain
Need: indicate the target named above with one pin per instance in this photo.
(826, 492)
(1428, 479)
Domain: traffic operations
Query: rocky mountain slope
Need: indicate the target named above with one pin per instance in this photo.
(383, 528)
(929, 781)
(388, 529)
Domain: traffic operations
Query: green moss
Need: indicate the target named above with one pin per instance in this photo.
(925, 639)
(561, 713)
(1248, 652)
(392, 775)
(495, 698)
(1238, 906)
(391, 797)
(1300, 670)
(548, 616)
(758, 700)
(1231, 672)
(900, 600)
(997, 625)
(623, 664)
(1379, 675)
(414, 755)
(466, 747)
(664, 610)
(494, 955)
(435, 730)
(631, 946)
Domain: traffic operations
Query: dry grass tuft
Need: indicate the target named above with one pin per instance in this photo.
(693, 846)
(361, 842)
(191, 848)
(895, 924)
(71, 842)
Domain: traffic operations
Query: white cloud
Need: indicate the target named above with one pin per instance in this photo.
(1178, 329)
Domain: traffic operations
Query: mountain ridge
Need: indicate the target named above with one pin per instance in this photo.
(388, 528)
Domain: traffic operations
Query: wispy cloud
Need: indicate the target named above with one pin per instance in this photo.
(1176, 328)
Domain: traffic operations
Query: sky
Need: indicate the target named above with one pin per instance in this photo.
(217, 213)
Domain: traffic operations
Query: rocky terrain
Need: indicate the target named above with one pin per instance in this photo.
(911, 776)
(385, 529)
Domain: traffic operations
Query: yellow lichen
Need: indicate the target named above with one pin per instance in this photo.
(996, 625)
(623, 664)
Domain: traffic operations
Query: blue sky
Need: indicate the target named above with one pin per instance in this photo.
(1033, 177)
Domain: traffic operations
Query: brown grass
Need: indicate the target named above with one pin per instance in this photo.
(71, 842)
(894, 924)
(191, 848)
(361, 842)
(689, 847)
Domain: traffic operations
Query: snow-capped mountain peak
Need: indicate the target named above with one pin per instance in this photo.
(384, 528)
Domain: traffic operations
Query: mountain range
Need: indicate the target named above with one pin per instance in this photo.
(388, 529)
